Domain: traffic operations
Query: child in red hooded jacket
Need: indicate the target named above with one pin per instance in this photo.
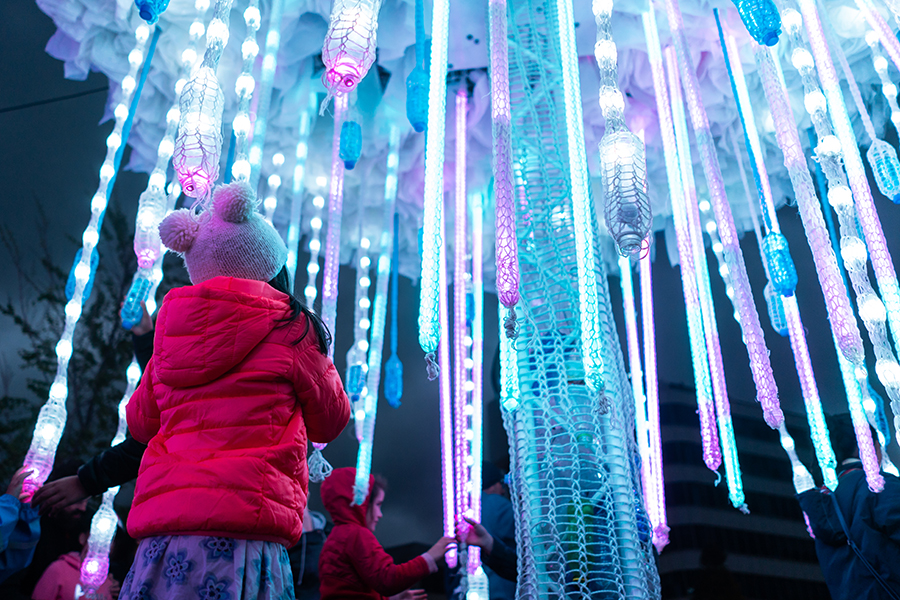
(353, 565)
(239, 381)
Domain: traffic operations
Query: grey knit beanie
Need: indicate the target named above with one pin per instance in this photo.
(231, 239)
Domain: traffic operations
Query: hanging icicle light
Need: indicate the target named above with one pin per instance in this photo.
(393, 369)
(244, 87)
(274, 181)
(355, 379)
(349, 49)
(297, 188)
(417, 82)
(475, 364)
(199, 143)
(266, 81)
(885, 35)
(881, 67)
(506, 244)
(315, 247)
(623, 169)
(335, 211)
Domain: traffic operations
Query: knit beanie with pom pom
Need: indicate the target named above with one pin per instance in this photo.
(231, 239)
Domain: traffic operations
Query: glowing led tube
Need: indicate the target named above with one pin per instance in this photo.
(333, 237)
(266, 80)
(315, 246)
(448, 457)
(244, 87)
(477, 362)
(355, 380)
(274, 181)
(393, 369)
(379, 313)
(297, 188)
(51, 419)
(432, 233)
(657, 482)
(712, 455)
(582, 208)
(760, 365)
(507, 252)
(881, 67)
(882, 29)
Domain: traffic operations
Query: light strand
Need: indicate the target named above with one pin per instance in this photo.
(582, 206)
(432, 231)
(315, 246)
(51, 419)
(448, 422)
(712, 456)
(297, 187)
(333, 236)
(270, 203)
(355, 379)
(506, 243)
(266, 81)
(244, 87)
(477, 365)
(887, 86)
(882, 29)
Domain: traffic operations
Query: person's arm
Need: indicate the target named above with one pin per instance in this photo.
(114, 466)
(21, 543)
(885, 508)
(9, 516)
(142, 410)
(326, 408)
(377, 569)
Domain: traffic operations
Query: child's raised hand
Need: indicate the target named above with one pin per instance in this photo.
(15, 485)
(475, 534)
(440, 547)
(56, 495)
(145, 325)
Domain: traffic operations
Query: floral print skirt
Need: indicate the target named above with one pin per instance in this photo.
(189, 567)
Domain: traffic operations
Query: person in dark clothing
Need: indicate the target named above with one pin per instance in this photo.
(114, 466)
(873, 520)
(304, 555)
(495, 555)
(714, 581)
(498, 519)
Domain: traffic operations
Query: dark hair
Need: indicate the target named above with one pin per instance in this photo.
(380, 483)
(282, 283)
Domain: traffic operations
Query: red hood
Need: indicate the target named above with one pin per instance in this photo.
(205, 330)
(337, 496)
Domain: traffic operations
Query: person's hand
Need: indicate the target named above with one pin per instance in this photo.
(440, 547)
(114, 588)
(145, 325)
(57, 495)
(475, 535)
(410, 595)
(15, 485)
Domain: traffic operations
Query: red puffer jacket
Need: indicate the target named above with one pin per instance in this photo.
(226, 405)
(353, 565)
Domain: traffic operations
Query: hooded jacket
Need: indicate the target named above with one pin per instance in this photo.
(874, 524)
(353, 565)
(226, 406)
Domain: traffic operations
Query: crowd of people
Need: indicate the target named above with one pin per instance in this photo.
(236, 381)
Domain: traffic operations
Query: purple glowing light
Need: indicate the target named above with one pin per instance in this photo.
(335, 209)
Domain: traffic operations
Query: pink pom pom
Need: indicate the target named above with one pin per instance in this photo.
(235, 202)
(179, 230)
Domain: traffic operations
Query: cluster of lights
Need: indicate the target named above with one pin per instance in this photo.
(582, 208)
(830, 150)
(349, 49)
(691, 209)
(266, 81)
(506, 244)
(52, 416)
(274, 183)
(887, 86)
(356, 356)
(760, 364)
(379, 314)
(302, 152)
(335, 210)
(840, 314)
(881, 28)
(199, 143)
(243, 87)
(432, 231)
(315, 245)
(712, 455)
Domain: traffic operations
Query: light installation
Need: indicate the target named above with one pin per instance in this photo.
(335, 210)
(244, 87)
(841, 319)
(760, 365)
(707, 310)
(887, 86)
(379, 313)
(270, 203)
(417, 81)
(623, 169)
(315, 247)
(448, 422)
(830, 150)
(779, 265)
(761, 19)
(199, 142)
(266, 81)
(885, 35)
(712, 454)
(393, 368)
(355, 379)
(506, 249)
(432, 231)
(297, 187)
(52, 417)
(349, 49)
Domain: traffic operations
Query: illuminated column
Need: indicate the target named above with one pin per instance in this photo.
(333, 237)
(760, 365)
(355, 379)
(244, 87)
(448, 422)
(506, 251)
(417, 81)
(52, 417)
(293, 235)
(432, 235)
(476, 364)
(712, 454)
(266, 80)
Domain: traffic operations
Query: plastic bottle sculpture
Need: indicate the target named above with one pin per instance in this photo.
(417, 82)
(886, 169)
(624, 175)
(393, 370)
(351, 143)
(151, 210)
(776, 310)
(349, 49)
(132, 312)
(782, 273)
(151, 9)
(47, 432)
(73, 275)
(761, 19)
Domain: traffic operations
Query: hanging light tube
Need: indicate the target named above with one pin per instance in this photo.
(882, 29)
(244, 87)
(333, 237)
(477, 364)
(448, 422)
(881, 67)
(297, 188)
(266, 81)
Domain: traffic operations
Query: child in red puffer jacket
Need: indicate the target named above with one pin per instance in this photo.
(238, 382)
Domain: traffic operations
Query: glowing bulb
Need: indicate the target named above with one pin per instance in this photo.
(364, 243)
(840, 197)
(881, 64)
(871, 308)
(73, 309)
(889, 89)
(315, 223)
(364, 262)
(197, 29)
(321, 180)
(704, 205)
(888, 371)
(829, 145)
(364, 282)
(360, 414)
(363, 345)
(133, 372)
(64, 349)
(128, 84)
(365, 303)
(82, 272)
(312, 268)
(241, 169)
(278, 159)
(717, 247)
(309, 291)
(90, 236)
(853, 251)
(872, 38)
(364, 323)
(189, 56)
(319, 202)
(106, 172)
(814, 101)
(315, 245)
(710, 226)
(249, 49)
(275, 180)
(802, 59)
(792, 20)
(241, 125)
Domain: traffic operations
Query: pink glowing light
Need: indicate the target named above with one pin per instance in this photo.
(349, 49)
(333, 237)
(448, 458)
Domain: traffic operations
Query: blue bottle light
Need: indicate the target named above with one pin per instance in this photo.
(132, 312)
(151, 9)
(351, 143)
(393, 381)
(761, 19)
(782, 274)
(70, 283)
(776, 311)
(886, 169)
(354, 380)
(417, 99)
